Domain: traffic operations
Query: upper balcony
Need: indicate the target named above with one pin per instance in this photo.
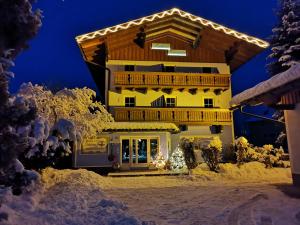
(171, 80)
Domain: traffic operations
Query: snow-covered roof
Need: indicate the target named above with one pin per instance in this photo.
(140, 126)
(276, 86)
(183, 14)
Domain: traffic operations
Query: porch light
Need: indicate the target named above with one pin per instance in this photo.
(161, 46)
(174, 52)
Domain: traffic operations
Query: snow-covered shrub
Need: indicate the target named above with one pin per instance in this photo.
(76, 105)
(50, 147)
(188, 151)
(242, 145)
(212, 153)
(19, 24)
(177, 161)
(159, 162)
(64, 118)
(268, 154)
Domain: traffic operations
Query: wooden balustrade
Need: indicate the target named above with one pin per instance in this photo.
(172, 79)
(175, 115)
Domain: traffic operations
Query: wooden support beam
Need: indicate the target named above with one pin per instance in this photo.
(231, 52)
(193, 91)
(218, 91)
(167, 90)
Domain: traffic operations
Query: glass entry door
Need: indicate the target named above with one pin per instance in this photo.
(137, 151)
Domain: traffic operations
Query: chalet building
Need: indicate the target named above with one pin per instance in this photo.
(170, 67)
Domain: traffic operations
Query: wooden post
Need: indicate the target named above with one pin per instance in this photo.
(292, 119)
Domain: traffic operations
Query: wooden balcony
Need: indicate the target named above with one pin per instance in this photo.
(128, 79)
(175, 115)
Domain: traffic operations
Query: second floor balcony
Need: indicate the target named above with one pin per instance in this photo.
(175, 115)
(173, 80)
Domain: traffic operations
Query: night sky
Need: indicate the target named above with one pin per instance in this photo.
(54, 59)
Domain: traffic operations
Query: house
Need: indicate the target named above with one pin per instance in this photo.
(169, 67)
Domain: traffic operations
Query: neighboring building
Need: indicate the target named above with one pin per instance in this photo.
(169, 67)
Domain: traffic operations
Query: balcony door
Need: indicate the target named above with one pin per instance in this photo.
(138, 151)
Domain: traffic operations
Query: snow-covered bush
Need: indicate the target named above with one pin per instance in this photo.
(76, 105)
(19, 24)
(270, 156)
(211, 153)
(242, 145)
(64, 118)
(177, 161)
(49, 146)
(188, 151)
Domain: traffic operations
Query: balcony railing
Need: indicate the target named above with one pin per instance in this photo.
(172, 79)
(175, 115)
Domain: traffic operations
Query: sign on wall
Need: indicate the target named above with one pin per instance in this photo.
(95, 145)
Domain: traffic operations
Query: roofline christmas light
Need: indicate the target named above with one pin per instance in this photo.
(202, 21)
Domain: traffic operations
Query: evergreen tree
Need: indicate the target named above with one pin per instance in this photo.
(177, 160)
(18, 25)
(285, 41)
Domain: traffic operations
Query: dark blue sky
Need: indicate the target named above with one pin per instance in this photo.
(54, 58)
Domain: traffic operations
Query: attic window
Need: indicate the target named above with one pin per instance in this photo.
(161, 46)
(175, 52)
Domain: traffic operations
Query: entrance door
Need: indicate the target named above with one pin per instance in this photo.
(139, 151)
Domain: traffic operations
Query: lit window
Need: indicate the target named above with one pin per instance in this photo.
(208, 103)
(170, 102)
(129, 101)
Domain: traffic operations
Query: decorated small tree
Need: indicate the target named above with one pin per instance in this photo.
(212, 154)
(177, 161)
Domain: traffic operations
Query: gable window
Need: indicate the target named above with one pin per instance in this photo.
(208, 103)
(170, 102)
(129, 68)
(129, 101)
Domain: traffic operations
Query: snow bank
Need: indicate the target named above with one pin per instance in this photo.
(66, 197)
(252, 172)
(276, 81)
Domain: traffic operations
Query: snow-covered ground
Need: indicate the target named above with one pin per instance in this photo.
(247, 195)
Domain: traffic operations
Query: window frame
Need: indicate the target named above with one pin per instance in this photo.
(208, 105)
(129, 104)
(170, 104)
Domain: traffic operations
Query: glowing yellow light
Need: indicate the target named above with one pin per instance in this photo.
(215, 26)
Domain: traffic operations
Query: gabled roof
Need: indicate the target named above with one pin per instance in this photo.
(204, 22)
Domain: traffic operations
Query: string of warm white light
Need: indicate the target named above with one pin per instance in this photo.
(215, 26)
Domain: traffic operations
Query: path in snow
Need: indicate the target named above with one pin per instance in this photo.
(210, 204)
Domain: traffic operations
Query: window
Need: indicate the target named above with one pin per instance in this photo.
(129, 101)
(208, 103)
(170, 102)
(129, 67)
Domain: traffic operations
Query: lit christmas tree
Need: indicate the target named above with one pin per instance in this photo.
(177, 160)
